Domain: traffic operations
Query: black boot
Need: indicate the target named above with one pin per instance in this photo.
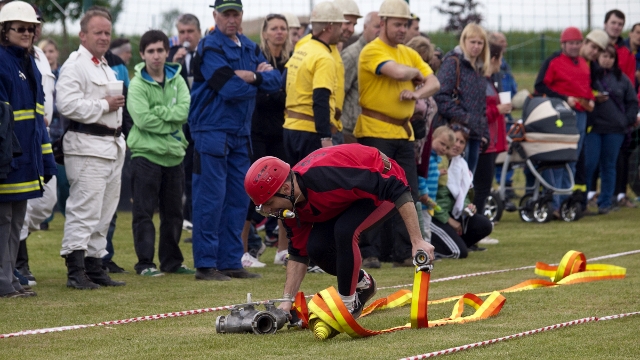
(76, 276)
(97, 274)
(22, 262)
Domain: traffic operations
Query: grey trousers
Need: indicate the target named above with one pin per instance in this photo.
(11, 219)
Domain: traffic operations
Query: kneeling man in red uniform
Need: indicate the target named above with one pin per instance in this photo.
(328, 200)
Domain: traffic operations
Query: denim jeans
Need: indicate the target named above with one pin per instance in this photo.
(472, 153)
(603, 150)
(561, 176)
(154, 186)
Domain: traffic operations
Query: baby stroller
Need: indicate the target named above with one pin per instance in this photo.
(546, 138)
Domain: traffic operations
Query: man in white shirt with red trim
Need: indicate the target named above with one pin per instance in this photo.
(94, 149)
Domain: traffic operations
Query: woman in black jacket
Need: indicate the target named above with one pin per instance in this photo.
(466, 105)
(614, 114)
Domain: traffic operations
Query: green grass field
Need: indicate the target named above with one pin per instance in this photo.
(194, 337)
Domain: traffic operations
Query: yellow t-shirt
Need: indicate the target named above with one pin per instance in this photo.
(310, 67)
(381, 93)
(339, 72)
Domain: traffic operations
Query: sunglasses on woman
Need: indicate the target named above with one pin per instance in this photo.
(21, 30)
(457, 127)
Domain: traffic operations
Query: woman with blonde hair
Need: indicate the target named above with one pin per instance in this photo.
(461, 99)
(266, 133)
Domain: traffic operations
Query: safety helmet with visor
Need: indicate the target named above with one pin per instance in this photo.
(18, 11)
(395, 9)
(327, 12)
(263, 180)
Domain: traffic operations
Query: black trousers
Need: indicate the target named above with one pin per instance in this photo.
(154, 186)
(334, 245)
(299, 144)
(483, 178)
(448, 243)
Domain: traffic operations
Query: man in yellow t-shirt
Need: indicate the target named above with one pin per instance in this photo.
(312, 85)
(351, 14)
(391, 77)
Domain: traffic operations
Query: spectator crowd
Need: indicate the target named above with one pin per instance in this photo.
(195, 116)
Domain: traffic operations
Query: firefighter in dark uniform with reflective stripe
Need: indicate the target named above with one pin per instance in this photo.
(335, 194)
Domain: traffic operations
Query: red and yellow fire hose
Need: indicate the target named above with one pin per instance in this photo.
(327, 316)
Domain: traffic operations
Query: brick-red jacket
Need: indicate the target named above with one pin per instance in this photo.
(332, 179)
(562, 76)
(626, 60)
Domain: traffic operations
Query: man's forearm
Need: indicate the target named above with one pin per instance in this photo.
(431, 86)
(410, 217)
(295, 274)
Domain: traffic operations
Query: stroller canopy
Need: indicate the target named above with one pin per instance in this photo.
(550, 131)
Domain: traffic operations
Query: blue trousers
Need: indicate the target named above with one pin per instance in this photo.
(219, 200)
(561, 176)
(472, 153)
(603, 150)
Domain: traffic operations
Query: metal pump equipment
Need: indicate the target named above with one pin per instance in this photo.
(244, 318)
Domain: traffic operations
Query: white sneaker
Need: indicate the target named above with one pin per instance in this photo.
(488, 241)
(249, 261)
(280, 257)
(187, 225)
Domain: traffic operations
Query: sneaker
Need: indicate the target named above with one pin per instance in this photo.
(476, 248)
(256, 253)
(314, 269)
(488, 241)
(111, 267)
(151, 272)
(23, 280)
(187, 225)
(365, 290)
(183, 269)
(44, 226)
(281, 256)
(371, 263)
(187, 240)
(27, 292)
(24, 271)
(249, 261)
(593, 202)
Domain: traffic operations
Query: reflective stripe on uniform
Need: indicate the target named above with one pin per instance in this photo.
(46, 149)
(22, 187)
(24, 115)
(40, 109)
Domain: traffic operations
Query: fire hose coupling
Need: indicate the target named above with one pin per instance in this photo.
(245, 318)
(422, 261)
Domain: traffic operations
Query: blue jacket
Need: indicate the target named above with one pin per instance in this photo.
(220, 100)
(21, 87)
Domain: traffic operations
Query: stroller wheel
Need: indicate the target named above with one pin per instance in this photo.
(493, 207)
(570, 211)
(542, 211)
(526, 208)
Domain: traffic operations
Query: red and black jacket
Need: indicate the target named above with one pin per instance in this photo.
(332, 179)
(562, 76)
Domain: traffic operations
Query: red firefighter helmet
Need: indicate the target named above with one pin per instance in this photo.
(265, 177)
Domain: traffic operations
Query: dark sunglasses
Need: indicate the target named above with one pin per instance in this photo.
(458, 127)
(21, 30)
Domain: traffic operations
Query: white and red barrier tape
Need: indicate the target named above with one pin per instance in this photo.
(228, 307)
(518, 335)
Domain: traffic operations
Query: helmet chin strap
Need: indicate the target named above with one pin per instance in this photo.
(291, 197)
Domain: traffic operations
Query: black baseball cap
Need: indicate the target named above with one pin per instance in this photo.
(224, 5)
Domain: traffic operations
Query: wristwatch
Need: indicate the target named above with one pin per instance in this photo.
(255, 78)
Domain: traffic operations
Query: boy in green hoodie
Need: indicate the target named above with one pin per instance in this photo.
(158, 101)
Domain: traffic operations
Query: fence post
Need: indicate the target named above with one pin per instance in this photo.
(543, 50)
